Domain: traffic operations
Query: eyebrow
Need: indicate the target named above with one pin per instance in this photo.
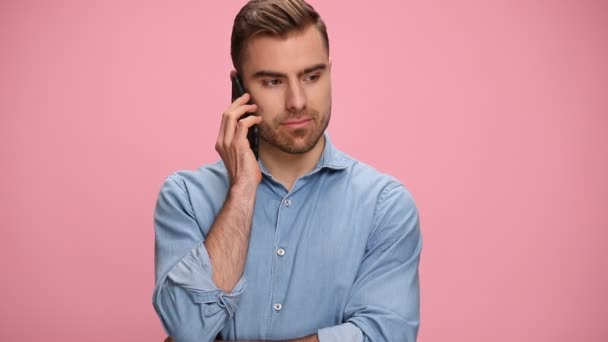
(270, 73)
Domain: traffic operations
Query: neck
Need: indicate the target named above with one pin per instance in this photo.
(285, 167)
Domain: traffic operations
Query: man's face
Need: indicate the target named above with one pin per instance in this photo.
(289, 80)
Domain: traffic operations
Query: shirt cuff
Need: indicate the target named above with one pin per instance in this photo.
(194, 273)
(346, 332)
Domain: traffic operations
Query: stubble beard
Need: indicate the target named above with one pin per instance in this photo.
(296, 141)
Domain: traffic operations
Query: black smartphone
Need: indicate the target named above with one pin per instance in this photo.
(253, 134)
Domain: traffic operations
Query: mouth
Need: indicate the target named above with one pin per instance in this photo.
(297, 123)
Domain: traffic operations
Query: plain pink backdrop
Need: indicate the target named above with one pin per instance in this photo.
(493, 113)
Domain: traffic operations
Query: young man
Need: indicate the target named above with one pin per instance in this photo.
(306, 244)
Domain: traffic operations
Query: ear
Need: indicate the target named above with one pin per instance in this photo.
(232, 73)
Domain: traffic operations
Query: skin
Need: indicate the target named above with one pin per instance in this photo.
(289, 81)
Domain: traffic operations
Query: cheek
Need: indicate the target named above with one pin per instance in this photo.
(321, 99)
(266, 99)
(268, 110)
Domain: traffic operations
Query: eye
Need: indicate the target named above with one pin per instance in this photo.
(272, 83)
(312, 77)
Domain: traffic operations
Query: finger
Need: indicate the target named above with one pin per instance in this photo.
(251, 120)
(237, 112)
(220, 134)
(244, 125)
(230, 121)
(239, 101)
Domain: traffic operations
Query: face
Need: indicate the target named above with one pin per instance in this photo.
(289, 80)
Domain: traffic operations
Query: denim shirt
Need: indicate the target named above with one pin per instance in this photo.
(337, 255)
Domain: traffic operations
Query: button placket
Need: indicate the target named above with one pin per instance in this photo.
(285, 203)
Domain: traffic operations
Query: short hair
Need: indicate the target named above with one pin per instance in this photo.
(272, 18)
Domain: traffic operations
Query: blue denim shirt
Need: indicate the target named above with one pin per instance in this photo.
(337, 255)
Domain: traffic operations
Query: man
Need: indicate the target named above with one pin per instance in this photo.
(306, 244)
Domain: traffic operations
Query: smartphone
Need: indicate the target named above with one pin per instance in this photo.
(253, 134)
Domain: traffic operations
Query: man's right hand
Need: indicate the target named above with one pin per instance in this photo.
(233, 146)
(228, 239)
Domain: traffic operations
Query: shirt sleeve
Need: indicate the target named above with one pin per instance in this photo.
(346, 332)
(385, 298)
(190, 306)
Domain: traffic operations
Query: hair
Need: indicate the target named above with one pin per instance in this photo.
(272, 18)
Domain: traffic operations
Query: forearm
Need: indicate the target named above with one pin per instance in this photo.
(311, 338)
(228, 239)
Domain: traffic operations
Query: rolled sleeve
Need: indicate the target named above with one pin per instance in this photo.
(193, 274)
(190, 306)
(346, 332)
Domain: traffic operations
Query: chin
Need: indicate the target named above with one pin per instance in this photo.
(294, 145)
(298, 141)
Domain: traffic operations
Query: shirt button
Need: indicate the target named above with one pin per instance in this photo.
(287, 202)
(280, 251)
(277, 306)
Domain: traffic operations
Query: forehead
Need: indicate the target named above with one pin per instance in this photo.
(290, 53)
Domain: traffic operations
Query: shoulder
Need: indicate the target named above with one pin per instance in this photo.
(206, 185)
(394, 209)
(386, 190)
(367, 177)
(209, 176)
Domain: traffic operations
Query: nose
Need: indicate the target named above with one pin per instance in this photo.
(295, 99)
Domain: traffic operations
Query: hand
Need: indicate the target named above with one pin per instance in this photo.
(233, 146)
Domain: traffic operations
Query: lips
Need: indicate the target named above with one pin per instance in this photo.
(296, 122)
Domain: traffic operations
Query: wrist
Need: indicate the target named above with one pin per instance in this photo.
(243, 190)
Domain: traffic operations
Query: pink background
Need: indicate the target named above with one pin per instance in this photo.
(493, 113)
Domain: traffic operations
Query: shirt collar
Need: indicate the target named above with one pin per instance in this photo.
(331, 158)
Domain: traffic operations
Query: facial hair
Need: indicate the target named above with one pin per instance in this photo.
(299, 140)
